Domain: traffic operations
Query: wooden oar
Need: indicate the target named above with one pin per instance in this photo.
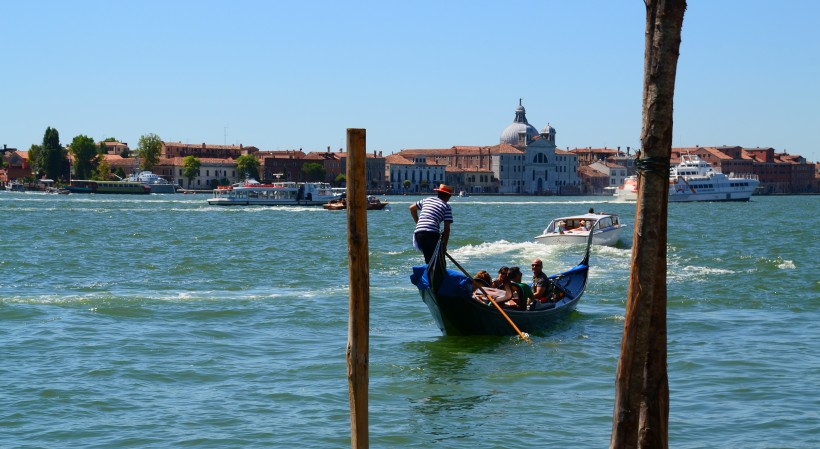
(523, 335)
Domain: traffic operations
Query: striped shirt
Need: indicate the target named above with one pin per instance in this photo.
(432, 211)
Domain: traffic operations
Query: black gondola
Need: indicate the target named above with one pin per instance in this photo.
(449, 296)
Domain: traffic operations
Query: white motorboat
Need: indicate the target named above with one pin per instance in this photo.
(156, 183)
(606, 230)
(694, 179)
(251, 192)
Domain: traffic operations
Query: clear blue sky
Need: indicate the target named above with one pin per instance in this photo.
(417, 74)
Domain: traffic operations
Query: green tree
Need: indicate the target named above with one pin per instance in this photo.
(149, 149)
(247, 166)
(84, 151)
(103, 172)
(52, 157)
(406, 183)
(340, 179)
(313, 171)
(34, 158)
(190, 168)
(424, 184)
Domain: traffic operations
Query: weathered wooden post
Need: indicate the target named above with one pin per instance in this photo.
(359, 268)
(641, 414)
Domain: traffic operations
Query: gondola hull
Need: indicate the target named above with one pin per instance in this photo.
(457, 312)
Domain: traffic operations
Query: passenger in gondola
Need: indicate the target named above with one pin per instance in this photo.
(501, 279)
(522, 292)
(482, 279)
(541, 285)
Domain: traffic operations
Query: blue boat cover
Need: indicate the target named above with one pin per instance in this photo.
(454, 284)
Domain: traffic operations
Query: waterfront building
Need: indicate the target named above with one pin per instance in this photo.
(524, 161)
(615, 173)
(179, 149)
(423, 173)
(335, 163)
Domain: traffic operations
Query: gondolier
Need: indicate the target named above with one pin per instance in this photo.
(428, 214)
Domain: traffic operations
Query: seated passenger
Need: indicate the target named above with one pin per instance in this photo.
(501, 280)
(523, 292)
(483, 279)
(541, 285)
(560, 227)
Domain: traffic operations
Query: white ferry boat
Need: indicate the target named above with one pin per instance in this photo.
(252, 192)
(694, 179)
(606, 230)
(155, 182)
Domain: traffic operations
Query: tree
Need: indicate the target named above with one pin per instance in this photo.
(406, 183)
(190, 168)
(340, 179)
(314, 171)
(84, 151)
(52, 157)
(247, 166)
(34, 158)
(641, 415)
(103, 171)
(149, 149)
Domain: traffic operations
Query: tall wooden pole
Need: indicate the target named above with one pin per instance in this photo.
(359, 268)
(641, 415)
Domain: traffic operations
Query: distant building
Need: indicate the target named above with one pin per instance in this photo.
(422, 173)
(615, 172)
(524, 161)
(179, 149)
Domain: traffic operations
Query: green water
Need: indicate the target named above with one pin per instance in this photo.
(164, 322)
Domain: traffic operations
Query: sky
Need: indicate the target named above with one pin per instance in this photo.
(283, 75)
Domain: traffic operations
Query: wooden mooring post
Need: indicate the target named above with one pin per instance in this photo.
(358, 330)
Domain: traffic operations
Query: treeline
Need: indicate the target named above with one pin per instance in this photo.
(51, 160)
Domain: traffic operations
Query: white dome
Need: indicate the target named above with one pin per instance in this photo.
(519, 125)
(510, 134)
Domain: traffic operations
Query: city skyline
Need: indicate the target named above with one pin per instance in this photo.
(420, 75)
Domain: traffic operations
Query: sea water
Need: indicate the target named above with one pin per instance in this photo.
(161, 321)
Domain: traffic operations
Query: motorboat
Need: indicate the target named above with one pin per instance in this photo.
(253, 193)
(156, 183)
(373, 203)
(694, 179)
(574, 229)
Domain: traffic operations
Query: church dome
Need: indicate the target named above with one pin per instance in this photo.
(548, 129)
(519, 125)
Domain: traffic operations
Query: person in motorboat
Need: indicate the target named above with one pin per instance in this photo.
(560, 227)
(428, 214)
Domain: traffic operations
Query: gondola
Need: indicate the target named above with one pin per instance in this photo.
(449, 296)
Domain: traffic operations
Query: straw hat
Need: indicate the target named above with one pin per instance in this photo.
(444, 188)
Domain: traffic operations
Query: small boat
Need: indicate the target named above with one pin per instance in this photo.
(458, 310)
(253, 193)
(606, 230)
(373, 203)
(155, 182)
(463, 194)
(694, 179)
(112, 187)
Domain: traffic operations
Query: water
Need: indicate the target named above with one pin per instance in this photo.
(164, 322)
